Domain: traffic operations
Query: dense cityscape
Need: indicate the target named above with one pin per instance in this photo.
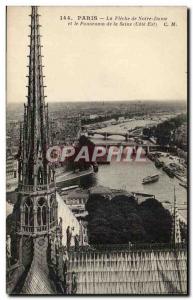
(87, 194)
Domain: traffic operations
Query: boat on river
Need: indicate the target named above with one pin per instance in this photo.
(150, 179)
(168, 171)
(68, 188)
(158, 163)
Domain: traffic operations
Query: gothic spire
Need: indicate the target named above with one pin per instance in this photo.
(35, 170)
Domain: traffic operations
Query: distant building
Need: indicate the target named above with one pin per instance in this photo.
(121, 119)
(76, 201)
(12, 138)
(93, 117)
(11, 168)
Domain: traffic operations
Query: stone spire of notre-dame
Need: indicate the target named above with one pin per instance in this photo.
(34, 170)
(37, 213)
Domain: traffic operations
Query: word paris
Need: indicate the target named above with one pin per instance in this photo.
(93, 153)
(115, 18)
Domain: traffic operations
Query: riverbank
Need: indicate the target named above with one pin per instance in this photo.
(173, 165)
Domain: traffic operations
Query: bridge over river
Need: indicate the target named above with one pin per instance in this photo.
(126, 135)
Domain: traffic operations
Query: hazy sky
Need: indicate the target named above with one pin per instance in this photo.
(100, 63)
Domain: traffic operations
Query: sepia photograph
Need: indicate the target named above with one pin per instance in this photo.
(97, 150)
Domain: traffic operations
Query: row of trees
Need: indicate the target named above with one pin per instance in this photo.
(108, 117)
(123, 220)
(164, 131)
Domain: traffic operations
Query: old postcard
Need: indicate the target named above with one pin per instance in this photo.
(97, 150)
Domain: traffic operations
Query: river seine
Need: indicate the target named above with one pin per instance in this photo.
(128, 176)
